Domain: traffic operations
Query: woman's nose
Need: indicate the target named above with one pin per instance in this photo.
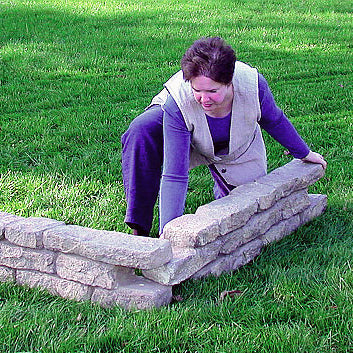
(205, 98)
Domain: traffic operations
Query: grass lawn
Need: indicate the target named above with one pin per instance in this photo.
(74, 73)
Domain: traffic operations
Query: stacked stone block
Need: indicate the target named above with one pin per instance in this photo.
(230, 232)
(82, 263)
(86, 264)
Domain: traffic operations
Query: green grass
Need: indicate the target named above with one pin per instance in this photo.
(74, 73)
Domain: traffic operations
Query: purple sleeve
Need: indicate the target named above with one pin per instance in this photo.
(174, 181)
(274, 121)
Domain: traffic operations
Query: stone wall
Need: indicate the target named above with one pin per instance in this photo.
(87, 264)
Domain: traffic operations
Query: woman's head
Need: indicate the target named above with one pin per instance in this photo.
(210, 57)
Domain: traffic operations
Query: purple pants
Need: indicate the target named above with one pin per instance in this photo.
(142, 159)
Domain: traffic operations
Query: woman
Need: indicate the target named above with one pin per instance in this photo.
(209, 113)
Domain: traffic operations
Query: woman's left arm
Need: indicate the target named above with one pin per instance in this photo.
(275, 122)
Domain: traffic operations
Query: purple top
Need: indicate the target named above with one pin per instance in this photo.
(177, 141)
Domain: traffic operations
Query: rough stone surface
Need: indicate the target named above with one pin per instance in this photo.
(264, 195)
(318, 204)
(170, 273)
(5, 219)
(28, 232)
(263, 221)
(55, 285)
(237, 238)
(23, 258)
(191, 230)
(292, 224)
(293, 176)
(109, 247)
(184, 264)
(93, 273)
(140, 293)
(247, 253)
(295, 203)
(231, 212)
(232, 261)
(281, 229)
(7, 274)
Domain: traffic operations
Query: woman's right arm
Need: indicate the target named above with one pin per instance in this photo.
(174, 181)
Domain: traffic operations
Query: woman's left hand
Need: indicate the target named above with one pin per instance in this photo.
(315, 157)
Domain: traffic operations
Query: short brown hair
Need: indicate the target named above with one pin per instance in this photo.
(210, 57)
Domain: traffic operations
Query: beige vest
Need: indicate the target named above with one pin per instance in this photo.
(246, 159)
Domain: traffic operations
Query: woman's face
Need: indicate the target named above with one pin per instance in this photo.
(213, 96)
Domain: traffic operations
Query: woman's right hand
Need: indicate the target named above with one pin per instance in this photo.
(314, 157)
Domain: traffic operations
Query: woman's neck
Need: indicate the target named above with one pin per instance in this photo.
(221, 113)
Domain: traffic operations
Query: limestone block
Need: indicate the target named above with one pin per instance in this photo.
(28, 232)
(264, 195)
(258, 224)
(261, 222)
(109, 247)
(318, 204)
(5, 219)
(232, 261)
(284, 186)
(247, 253)
(237, 238)
(55, 285)
(292, 224)
(295, 175)
(191, 230)
(277, 232)
(176, 268)
(25, 258)
(297, 202)
(140, 293)
(281, 229)
(184, 264)
(93, 273)
(231, 211)
(7, 274)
